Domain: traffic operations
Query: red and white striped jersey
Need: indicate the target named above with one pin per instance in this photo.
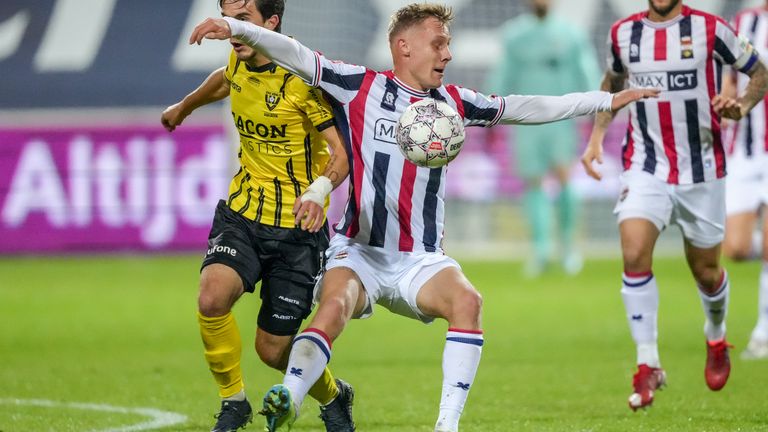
(749, 138)
(393, 203)
(676, 137)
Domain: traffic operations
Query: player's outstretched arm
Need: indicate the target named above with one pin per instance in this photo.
(309, 207)
(214, 88)
(735, 108)
(286, 52)
(594, 151)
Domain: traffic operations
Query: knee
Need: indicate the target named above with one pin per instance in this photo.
(214, 298)
(707, 275)
(468, 304)
(272, 355)
(737, 252)
(636, 260)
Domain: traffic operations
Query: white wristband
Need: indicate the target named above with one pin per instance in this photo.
(318, 191)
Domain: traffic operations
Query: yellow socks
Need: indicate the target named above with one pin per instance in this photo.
(324, 390)
(221, 339)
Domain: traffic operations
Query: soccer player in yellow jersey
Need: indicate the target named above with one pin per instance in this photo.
(272, 225)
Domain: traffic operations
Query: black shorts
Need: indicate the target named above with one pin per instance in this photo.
(288, 261)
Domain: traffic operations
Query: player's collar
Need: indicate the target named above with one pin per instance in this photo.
(262, 68)
(685, 11)
(408, 89)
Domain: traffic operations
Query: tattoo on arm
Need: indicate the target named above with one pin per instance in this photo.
(757, 86)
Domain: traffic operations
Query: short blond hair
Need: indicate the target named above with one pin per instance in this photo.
(415, 13)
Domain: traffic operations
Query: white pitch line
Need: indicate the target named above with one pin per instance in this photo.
(157, 420)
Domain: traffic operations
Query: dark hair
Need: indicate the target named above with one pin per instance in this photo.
(266, 8)
(413, 14)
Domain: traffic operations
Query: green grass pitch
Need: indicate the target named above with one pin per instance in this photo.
(121, 332)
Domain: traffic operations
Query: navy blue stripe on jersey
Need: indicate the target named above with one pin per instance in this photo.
(430, 210)
(343, 124)
(650, 151)
(718, 77)
(347, 82)
(692, 118)
(472, 112)
(634, 41)
(616, 66)
(722, 50)
(685, 32)
(437, 95)
(379, 222)
(748, 139)
(753, 26)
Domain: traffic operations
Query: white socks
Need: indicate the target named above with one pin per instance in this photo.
(310, 353)
(761, 329)
(461, 358)
(641, 302)
(715, 307)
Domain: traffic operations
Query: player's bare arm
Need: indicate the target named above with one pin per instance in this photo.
(736, 108)
(214, 88)
(613, 83)
(309, 207)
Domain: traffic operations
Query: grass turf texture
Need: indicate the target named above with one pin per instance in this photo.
(558, 357)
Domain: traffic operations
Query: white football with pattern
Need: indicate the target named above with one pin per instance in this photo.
(430, 133)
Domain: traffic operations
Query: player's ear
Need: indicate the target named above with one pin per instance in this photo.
(403, 47)
(272, 22)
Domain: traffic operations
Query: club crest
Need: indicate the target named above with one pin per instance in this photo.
(272, 99)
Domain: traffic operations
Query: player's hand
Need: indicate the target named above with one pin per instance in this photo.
(593, 152)
(309, 215)
(728, 107)
(172, 117)
(626, 97)
(211, 28)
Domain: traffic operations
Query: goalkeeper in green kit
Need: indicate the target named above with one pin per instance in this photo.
(543, 54)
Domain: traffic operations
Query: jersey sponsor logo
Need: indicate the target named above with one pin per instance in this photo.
(236, 87)
(666, 81)
(384, 130)
(222, 249)
(272, 99)
(248, 126)
(283, 317)
(288, 300)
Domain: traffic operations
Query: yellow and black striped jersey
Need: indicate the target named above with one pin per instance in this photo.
(279, 118)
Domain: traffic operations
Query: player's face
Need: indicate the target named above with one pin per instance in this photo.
(663, 7)
(243, 10)
(430, 53)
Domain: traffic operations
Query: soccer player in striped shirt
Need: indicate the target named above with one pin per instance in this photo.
(746, 187)
(388, 247)
(272, 226)
(674, 164)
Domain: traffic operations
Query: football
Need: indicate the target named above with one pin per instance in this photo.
(430, 133)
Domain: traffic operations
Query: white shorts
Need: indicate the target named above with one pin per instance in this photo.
(746, 187)
(698, 209)
(391, 279)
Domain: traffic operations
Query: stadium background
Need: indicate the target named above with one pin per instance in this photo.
(85, 166)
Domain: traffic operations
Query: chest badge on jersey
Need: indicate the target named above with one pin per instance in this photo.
(686, 47)
(272, 99)
(390, 96)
